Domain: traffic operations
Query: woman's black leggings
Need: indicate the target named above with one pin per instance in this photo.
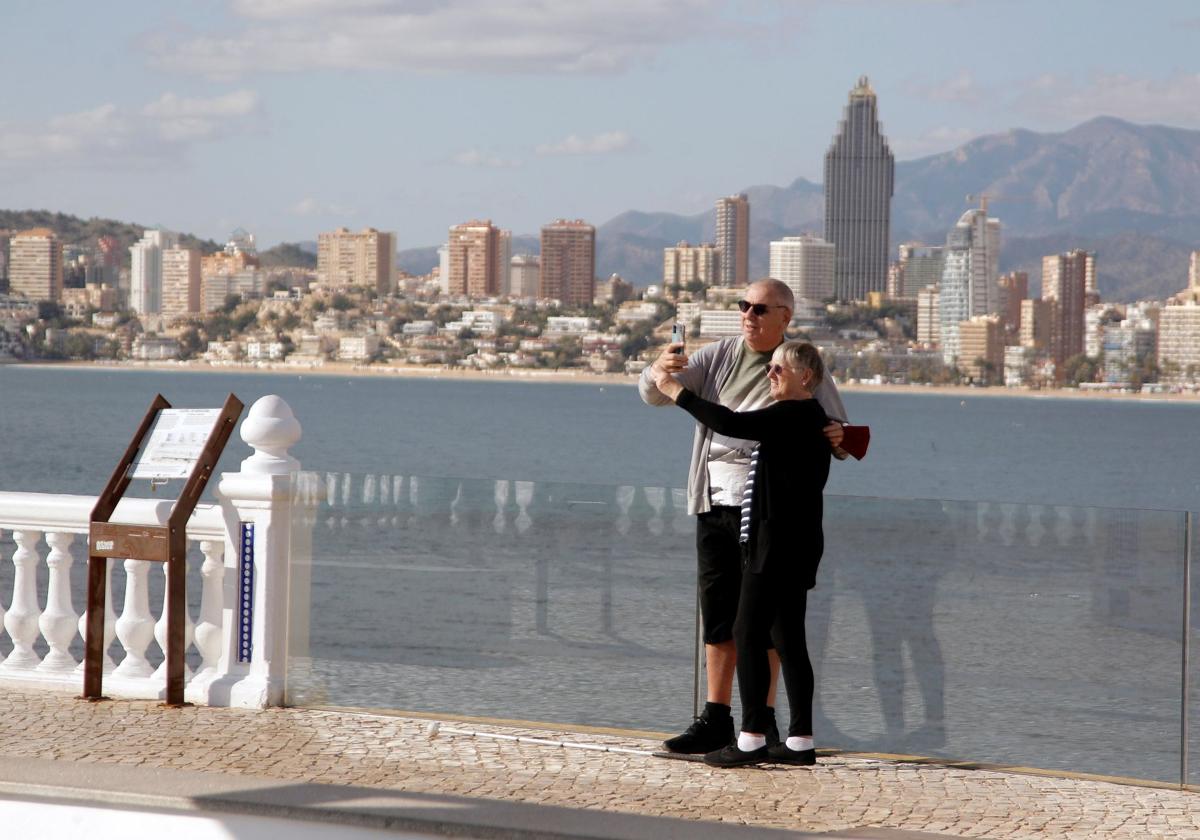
(771, 607)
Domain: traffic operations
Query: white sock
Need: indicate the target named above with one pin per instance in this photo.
(795, 742)
(748, 742)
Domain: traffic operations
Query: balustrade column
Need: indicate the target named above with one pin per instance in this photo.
(110, 620)
(21, 620)
(2, 611)
(135, 627)
(208, 632)
(160, 627)
(59, 622)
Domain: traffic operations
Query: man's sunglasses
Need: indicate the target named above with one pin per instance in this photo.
(759, 309)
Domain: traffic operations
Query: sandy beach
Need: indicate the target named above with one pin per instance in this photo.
(578, 377)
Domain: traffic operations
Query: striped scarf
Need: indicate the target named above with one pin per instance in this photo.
(748, 498)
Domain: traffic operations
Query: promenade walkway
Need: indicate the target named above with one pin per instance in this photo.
(385, 771)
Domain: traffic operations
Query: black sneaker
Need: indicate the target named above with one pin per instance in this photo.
(731, 756)
(783, 754)
(703, 736)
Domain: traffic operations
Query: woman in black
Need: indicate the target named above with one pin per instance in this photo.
(782, 543)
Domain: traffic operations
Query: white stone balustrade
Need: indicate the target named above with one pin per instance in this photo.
(262, 493)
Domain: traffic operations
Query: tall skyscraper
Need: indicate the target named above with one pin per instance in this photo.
(1014, 288)
(859, 174)
(365, 259)
(5, 238)
(568, 266)
(180, 283)
(685, 264)
(920, 266)
(805, 264)
(969, 276)
(145, 270)
(474, 260)
(1064, 282)
(35, 266)
(504, 261)
(733, 239)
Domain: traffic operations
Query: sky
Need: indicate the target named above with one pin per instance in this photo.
(290, 117)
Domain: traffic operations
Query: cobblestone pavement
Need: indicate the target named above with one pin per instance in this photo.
(842, 792)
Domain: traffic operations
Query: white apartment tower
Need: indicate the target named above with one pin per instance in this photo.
(806, 265)
(145, 270)
(970, 275)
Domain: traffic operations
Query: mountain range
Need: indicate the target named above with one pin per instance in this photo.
(1129, 192)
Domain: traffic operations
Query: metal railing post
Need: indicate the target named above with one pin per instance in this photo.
(1185, 680)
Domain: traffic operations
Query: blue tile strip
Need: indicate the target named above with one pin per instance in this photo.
(246, 594)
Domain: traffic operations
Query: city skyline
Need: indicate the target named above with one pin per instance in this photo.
(247, 114)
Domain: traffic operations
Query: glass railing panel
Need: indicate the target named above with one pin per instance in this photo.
(514, 599)
(1019, 634)
(1192, 771)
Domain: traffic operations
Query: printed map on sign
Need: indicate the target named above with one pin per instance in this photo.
(175, 443)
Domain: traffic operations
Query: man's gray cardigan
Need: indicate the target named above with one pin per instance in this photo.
(706, 373)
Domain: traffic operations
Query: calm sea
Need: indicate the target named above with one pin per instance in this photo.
(61, 430)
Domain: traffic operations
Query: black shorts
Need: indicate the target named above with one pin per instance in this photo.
(719, 570)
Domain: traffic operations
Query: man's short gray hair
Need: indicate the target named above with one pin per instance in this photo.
(781, 291)
(799, 355)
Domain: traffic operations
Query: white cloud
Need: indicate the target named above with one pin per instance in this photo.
(309, 206)
(1064, 100)
(488, 160)
(601, 144)
(961, 89)
(936, 140)
(506, 36)
(112, 135)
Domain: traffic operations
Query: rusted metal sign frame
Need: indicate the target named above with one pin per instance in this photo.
(157, 543)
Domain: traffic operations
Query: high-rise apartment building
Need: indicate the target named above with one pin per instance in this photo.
(1179, 342)
(1191, 293)
(524, 276)
(929, 319)
(1037, 326)
(733, 239)
(920, 267)
(859, 174)
(806, 265)
(685, 264)
(367, 258)
(981, 348)
(1064, 282)
(180, 283)
(35, 267)
(1014, 288)
(145, 270)
(969, 275)
(504, 261)
(568, 262)
(474, 260)
(5, 238)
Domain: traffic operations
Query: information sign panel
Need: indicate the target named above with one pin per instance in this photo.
(176, 441)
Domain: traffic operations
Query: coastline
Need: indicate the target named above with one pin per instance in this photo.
(579, 377)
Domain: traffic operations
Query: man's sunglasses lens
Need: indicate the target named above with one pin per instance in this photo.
(759, 309)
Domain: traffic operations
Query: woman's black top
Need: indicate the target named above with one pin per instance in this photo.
(793, 465)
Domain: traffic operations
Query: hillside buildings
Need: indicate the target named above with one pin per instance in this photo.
(145, 270)
(859, 175)
(35, 264)
(733, 239)
(686, 264)
(806, 265)
(969, 276)
(568, 262)
(366, 259)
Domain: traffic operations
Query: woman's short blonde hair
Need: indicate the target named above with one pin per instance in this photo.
(800, 355)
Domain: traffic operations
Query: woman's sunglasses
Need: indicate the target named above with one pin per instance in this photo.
(774, 369)
(759, 309)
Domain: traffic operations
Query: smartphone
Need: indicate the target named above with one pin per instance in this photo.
(678, 335)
